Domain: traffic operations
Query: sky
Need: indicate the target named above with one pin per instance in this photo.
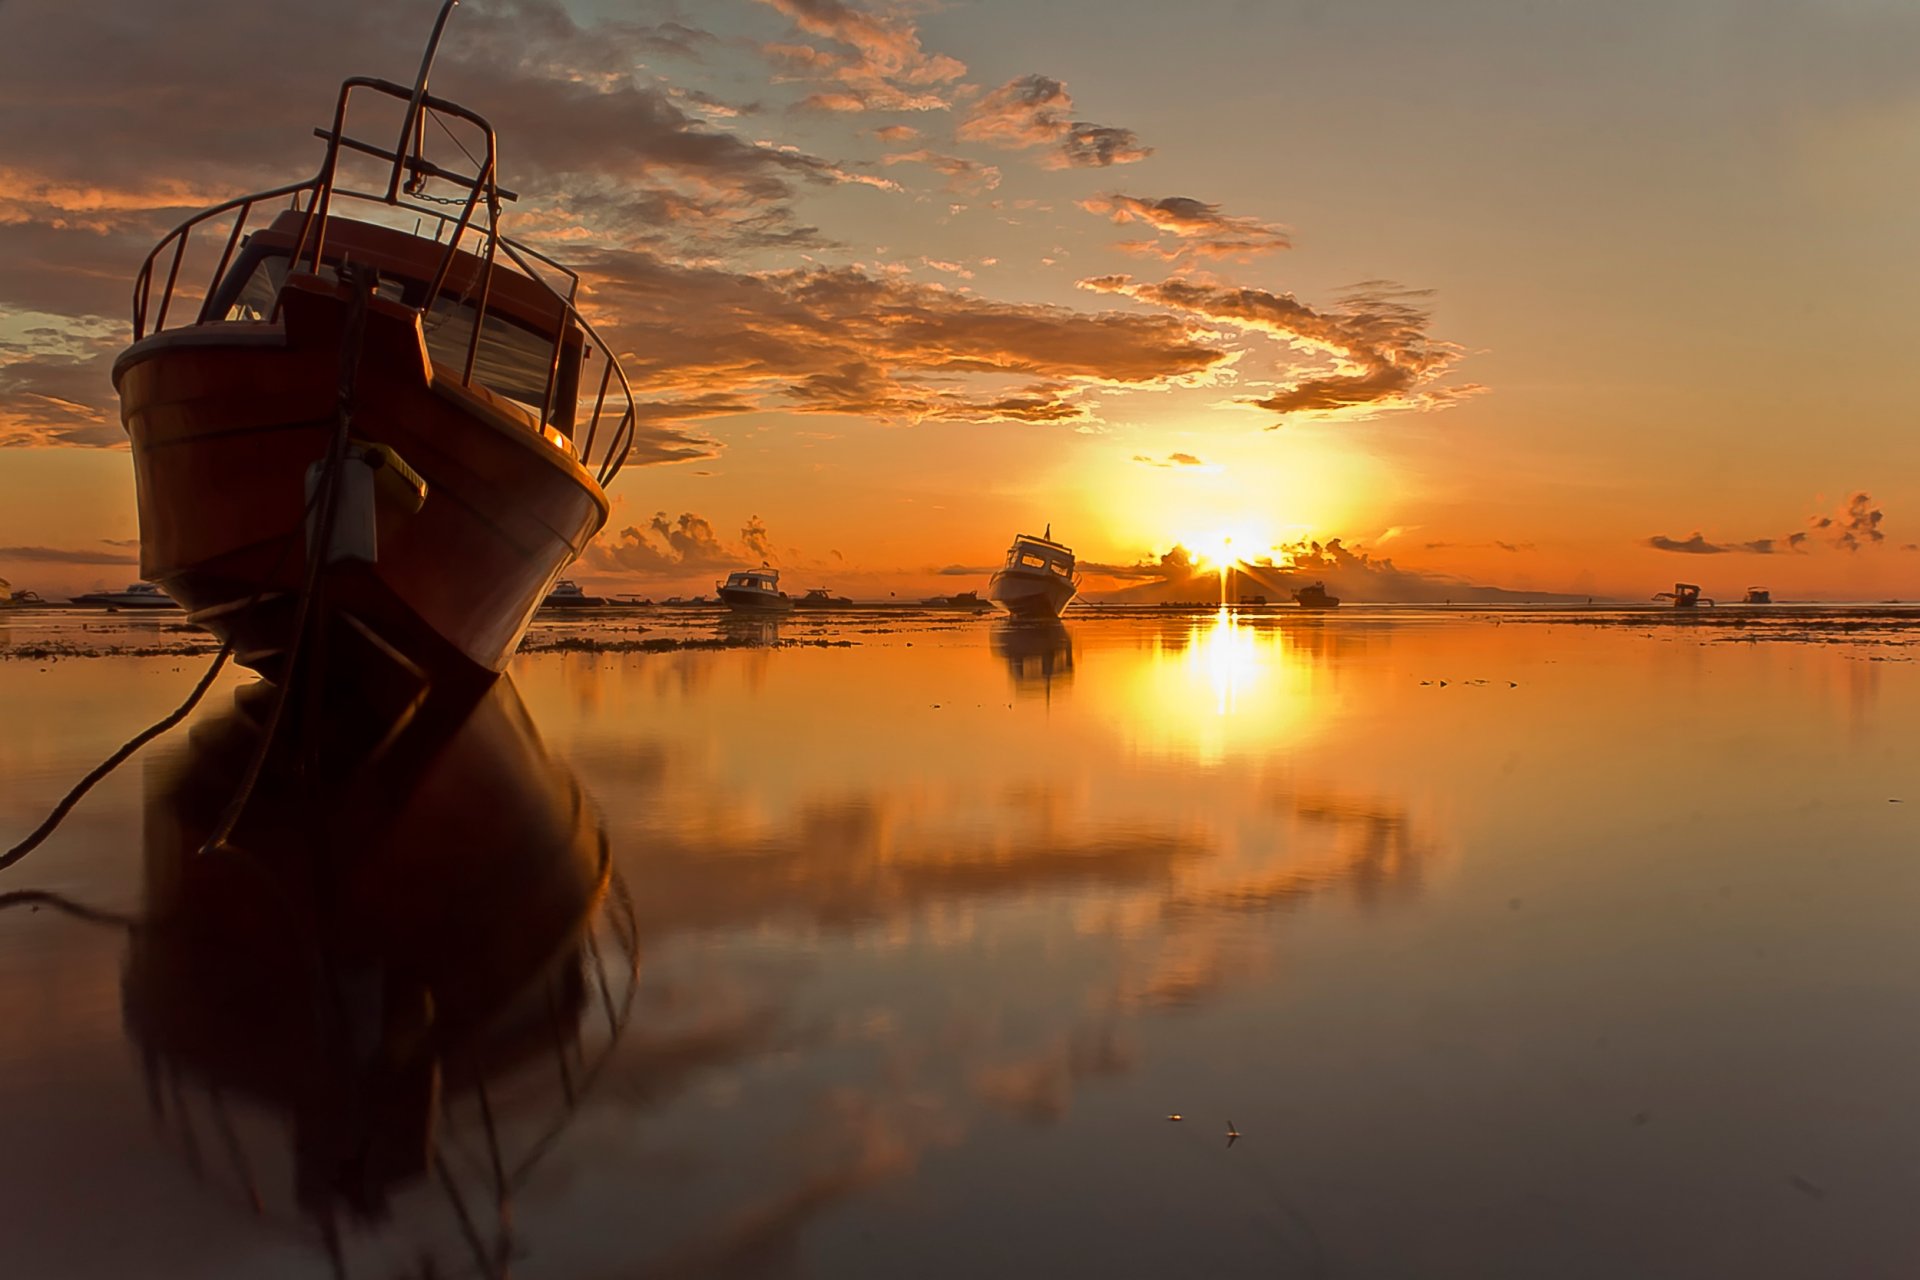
(1551, 297)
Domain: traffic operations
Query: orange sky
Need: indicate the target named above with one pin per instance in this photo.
(1504, 295)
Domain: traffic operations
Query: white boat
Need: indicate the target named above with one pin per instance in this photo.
(754, 591)
(566, 594)
(136, 595)
(1037, 580)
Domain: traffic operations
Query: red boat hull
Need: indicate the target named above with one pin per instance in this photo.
(225, 420)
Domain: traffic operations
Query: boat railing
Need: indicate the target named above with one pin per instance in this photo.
(467, 219)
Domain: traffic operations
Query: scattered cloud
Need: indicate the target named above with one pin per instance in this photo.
(1197, 228)
(966, 176)
(878, 66)
(846, 341)
(677, 548)
(1853, 527)
(1036, 111)
(1171, 460)
(1375, 340)
(1856, 525)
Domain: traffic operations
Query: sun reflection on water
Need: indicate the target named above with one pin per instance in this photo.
(1226, 686)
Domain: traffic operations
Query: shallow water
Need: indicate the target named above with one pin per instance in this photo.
(1511, 945)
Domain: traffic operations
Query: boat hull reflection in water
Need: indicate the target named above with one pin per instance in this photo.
(1038, 653)
(384, 947)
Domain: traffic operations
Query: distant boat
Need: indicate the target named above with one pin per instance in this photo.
(1037, 580)
(821, 598)
(1758, 595)
(136, 595)
(754, 591)
(566, 594)
(964, 600)
(1314, 596)
(1255, 598)
(1685, 595)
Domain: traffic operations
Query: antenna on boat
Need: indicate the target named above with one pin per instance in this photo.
(413, 127)
(1048, 535)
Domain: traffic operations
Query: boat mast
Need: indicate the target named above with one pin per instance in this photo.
(413, 127)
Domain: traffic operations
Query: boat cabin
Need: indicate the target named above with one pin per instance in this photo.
(763, 580)
(1039, 556)
(528, 350)
(498, 318)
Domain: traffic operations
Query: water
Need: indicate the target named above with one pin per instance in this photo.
(1511, 944)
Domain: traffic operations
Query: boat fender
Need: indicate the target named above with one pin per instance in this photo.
(392, 477)
(368, 472)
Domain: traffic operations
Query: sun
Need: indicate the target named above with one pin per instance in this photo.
(1221, 548)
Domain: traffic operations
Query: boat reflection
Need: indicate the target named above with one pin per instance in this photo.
(407, 965)
(1038, 654)
(750, 630)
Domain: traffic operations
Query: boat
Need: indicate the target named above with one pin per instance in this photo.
(135, 595)
(388, 435)
(566, 594)
(963, 600)
(821, 598)
(754, 591)
(1314, 596)
(1037, 579)
(1685, 595)
(1758, 595)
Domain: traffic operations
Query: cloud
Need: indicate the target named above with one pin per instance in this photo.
(1035, 111)
(1856, 525)
(1197, 228)
(845, 341)
(1496, 544)
(1853, 527)
(677, 548)
(68, 555)
(1171, 460)
(1351, 572)
(963, 175)
(1694, 546)
(1375, 340)
(880, 65)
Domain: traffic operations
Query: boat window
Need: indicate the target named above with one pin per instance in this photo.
(254, 300)
(1029, 560)
(512, 360)
(1063, 568)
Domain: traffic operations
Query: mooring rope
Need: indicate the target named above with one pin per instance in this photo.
(316, 557)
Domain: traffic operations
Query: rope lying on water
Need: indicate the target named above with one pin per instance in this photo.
(114, 761)
(316, 557)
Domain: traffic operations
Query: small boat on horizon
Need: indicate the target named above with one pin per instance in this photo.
(1314, 596)
(1758, 595)
(821, 598)
(754, 591)
(11, 599)
(962, 600)
(1685, 595)
(135, 595)
(387, 436)
(1037, 580)
(567, 594)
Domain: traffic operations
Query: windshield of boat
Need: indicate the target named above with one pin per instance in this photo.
(511, 360)
(1026, 555)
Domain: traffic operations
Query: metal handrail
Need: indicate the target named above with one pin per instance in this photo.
(483, 197)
